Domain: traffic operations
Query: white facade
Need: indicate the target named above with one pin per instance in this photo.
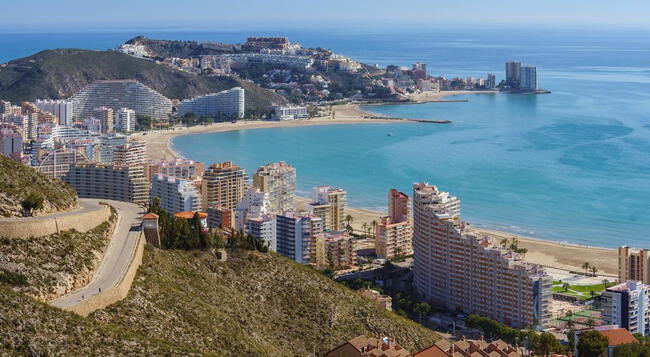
(125, 120)
(628, 306)
(254, 203)
(176, 195)
(263, 226)
(11, 141)
(291, 113)
(229, 103)
(62, 109)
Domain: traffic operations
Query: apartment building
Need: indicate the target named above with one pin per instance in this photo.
(628, 306)
(279, 181)
(60, 108)
(131, 153)
(220, 218)
(228, 104)
(125, 120)
(11, 141)
(224, 185)
(467, 271)
(263, 226)
(295, 235)
(175, 194)
(333, 250)
(528, 78)
(253, 203)
(633, 264)
(290, 113)
(117, 94)
(328, 203)
(181, 168)
(393, 236)
(113, 182)
(106, 117)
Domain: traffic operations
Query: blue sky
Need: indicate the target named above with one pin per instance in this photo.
(133, 14)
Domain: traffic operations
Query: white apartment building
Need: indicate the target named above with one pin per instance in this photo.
(628, 306)
(279, 181)
(175, 194)
(470, 272)
(131, 153)
(253, 203)
(296, 235)
(61, 108)
(125, 120)
(290, 113)
(329, 204)
(228, 103)
(263, 226)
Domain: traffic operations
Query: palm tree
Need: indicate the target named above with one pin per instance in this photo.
(566, 286)
(605, 283)
(515, 244)
(594, 270)
(504, 242)
(349, 219)
(523, 251)
(586, 267)
(374, 226)
(364, 227)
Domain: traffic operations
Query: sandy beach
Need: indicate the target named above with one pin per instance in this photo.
(549, 253)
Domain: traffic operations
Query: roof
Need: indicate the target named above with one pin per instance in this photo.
(189, 214)
(150, 216)
(619, 336)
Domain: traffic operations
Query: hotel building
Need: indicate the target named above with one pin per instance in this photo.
(181, 168)
(228, 103)
(113, 182)
(279, 181)
(295, 235)
(468, 271)
(117, 94)
(628, 306)
(290, 113)
(175, 194)
(393, 236)
(224, 185)
(329, 204)
(633, 265)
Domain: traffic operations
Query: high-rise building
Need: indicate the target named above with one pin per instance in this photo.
(491, 81)
(11, 141)
(513, 73)
(61, 108)
(113, 182)
(262, 226)
(181, 168)
(131, 153)
(125, 120)
(228, 104)
(253, 203)
(279, 181)
(468, 271)
(419, 71)
(628, 306)
(393, 236)
(633, 265)
(219, 218)
(296, 234)
(224, 185)
(175, 194)
(528, 78)
(117, 94)
(329, 204)
(5, 108)
(106, 117)
(334, 250)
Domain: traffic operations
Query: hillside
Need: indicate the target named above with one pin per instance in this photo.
(252, 305)
(61, 73)
(17, 181)
(169, 48)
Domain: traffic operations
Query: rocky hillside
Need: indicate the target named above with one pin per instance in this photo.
(170, 48)
(17, 181)
(51, 266)
(252, 305)
(61, 73)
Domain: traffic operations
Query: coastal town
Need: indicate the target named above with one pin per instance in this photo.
(488, 293)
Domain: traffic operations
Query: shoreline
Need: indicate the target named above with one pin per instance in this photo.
(550, 253)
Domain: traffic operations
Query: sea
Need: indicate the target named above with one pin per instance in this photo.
(571, 166)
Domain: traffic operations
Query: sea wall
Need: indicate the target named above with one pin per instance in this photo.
(82, 221)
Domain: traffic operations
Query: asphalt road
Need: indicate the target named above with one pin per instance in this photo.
(84, 205)
(117, 257)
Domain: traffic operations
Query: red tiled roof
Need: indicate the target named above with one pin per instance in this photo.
(150, 216)
(189, 215)
(619, 336)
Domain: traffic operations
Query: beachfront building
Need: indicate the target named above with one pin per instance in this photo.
(467, 271)
(253, 203)
(328, 203)
(633, 264)
(290, 113)
(278, 180)
(334, 250)
(117, 94)
(528, 78)
(295, 235)
(112, 182)
(175, 194)
(125, 120)
(628, 306)
(228, 104)
(513, 73)
(393, 236)
(60, 108)
(131, 153)
(224, 185)
(182, 168)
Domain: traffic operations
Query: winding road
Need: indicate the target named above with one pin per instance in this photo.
(117, 258)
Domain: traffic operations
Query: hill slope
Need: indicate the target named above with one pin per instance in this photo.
(17, 181)
(61, 73)
(252, 305)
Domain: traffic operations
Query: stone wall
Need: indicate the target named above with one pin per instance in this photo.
(84, 221)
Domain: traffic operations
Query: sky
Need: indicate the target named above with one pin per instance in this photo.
(34, 15)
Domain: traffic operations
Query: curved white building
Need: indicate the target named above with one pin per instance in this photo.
(229, 103)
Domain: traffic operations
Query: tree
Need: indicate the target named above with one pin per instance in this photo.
(545, 344)
(605, 283)
(422, 308)
(33, 201)
(586, 267)
(566, 286)
(504, 242)
(592, 344)
(594, 270)
(374, 226)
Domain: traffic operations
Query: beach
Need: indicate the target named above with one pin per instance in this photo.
(549, 253)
